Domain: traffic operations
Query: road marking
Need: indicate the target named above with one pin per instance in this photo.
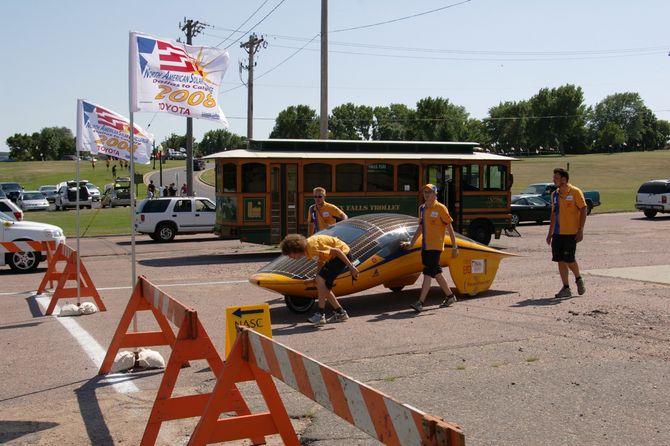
(168, 285)
(121, 382)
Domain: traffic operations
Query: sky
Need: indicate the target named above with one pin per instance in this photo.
(476, 53)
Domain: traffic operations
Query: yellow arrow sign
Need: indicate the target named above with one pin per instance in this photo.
(255, 317)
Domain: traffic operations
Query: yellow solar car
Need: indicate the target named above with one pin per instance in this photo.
(375, 240)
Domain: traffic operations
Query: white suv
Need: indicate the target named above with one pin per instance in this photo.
(15, 231)
(162, 218)
(653, 197)
(67, 195)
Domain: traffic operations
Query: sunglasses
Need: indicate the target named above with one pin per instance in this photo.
(318, 196)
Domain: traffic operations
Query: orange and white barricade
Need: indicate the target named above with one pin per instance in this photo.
(190, 343)
(67, 255)
(376, 414)
(29, 246)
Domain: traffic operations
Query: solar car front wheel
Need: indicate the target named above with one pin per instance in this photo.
(298, 304)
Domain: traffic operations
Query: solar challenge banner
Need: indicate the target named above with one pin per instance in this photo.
(100, 130)
(172, 77)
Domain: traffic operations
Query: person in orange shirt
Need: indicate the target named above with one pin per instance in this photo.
(434, 222)
(332, 258)
(566, 229)
(322, 215)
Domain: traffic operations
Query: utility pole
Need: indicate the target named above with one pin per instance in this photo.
(191, 29)
(251, 47)
(323, 121)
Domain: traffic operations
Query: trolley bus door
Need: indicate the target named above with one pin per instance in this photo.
(284, 197)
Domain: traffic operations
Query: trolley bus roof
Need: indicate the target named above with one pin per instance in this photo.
(250, 154)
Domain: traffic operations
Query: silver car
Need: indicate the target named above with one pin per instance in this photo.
(93, 191)
(32, 200)
(49, 193)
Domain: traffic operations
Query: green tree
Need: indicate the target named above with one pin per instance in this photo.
(506, 126)
(476, 132)
(558, 119)
(23, 146)
(611, 135)
(296, 122)
(439, 120)
(350, 121)
(54, 142)
(393, 123)
(627, 110)
(174, 141)
(662, 133)
(220, 140)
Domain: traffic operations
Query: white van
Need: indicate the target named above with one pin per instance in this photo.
(66, 195)
(653, 197)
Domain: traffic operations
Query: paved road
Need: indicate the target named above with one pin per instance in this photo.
(177, 175)
(512, 366)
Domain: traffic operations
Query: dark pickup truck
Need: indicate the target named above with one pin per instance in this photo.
(544, 191)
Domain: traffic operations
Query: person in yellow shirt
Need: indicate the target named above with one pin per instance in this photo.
(566, 229)
(322, 215)
(434, 222)
(332, 258)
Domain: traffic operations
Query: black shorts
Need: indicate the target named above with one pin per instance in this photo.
(563, 248)
(332, 269)
(431, 262)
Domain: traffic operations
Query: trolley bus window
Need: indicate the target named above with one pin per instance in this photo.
(317, 175)
(380, 177)
(470, 177)
(495, 177)
(408, 178)
(229, 177)
(349, 178)
(254, 177)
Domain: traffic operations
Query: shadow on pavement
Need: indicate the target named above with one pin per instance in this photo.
(89, 407)
(11, 430)
(215, 259)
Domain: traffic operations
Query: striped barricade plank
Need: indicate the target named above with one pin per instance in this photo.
(190, 343)
(376, 414)
(24, 246)
(380, 416)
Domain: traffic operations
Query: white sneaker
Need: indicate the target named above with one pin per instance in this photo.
(317, 319)
(338, 317)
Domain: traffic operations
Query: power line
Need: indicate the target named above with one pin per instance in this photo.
(261, 20)
(400, 18)
(243, 23)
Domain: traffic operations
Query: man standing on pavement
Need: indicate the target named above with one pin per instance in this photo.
(322, 215)
(566, 229)
(434, 222)
(332, 258)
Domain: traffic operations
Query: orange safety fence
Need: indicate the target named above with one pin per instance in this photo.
(190, 343)
(64, 289)
(29, 246)
(378, 415)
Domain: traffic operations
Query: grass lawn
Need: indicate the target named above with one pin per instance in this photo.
(616, 176)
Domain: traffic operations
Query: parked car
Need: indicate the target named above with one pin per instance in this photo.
(11, 231)
(2, 193)
(12, 190)
(32, 200)
(544, 190)
(653, 197)
(68, 193)
(116, 193)
(8, 207)
(93, 191)
(49, 193)
(164, 218)
(199, 164)
(530, 208)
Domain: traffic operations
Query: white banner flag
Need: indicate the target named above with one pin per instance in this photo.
(172, 77)
(100, 130)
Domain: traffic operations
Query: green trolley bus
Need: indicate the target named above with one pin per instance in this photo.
(264, 192)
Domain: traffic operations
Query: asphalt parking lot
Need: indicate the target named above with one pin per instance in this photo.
(511, 366)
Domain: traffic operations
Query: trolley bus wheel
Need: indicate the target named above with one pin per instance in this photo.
(480, 232)
(397, 289)
(298, 304)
